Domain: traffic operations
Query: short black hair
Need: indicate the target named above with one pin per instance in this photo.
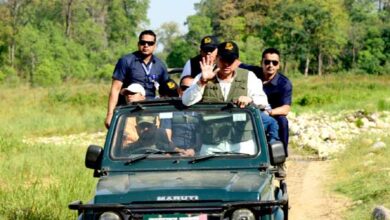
(185, 77)
(270, 50)
(147, 32)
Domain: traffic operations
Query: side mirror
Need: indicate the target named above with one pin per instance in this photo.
(277, 153)
(93, 157)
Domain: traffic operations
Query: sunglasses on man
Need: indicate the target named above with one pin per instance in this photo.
(208, 49)
(144, 42)
(268, 62)
(183, 87)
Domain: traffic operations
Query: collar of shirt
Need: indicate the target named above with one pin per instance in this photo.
(140, 58)
(274, 81)
(226, 85)
(226, 80)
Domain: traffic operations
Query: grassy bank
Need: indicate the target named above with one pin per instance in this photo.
(335, 93)
(38, 181)
(363, 174)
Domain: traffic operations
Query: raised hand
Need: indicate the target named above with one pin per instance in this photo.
(207, 67)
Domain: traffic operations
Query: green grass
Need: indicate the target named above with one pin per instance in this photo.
(38, 181)
(61, 110)
(363, 174)
(335, 93)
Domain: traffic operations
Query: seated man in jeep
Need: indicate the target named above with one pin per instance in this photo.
(150, 137)
(227, 133)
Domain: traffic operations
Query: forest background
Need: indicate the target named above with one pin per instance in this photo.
(48, 42)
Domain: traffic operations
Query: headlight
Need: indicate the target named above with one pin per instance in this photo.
(109, 216)
(243, 214)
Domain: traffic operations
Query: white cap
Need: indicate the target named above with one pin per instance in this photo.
(134, 88)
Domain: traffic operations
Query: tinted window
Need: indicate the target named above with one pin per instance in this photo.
(184, 134)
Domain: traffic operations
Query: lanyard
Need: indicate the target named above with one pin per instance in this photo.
(151, 78)
(147, 69)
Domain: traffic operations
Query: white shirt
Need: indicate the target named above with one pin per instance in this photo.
(186, 69)
(255, 90)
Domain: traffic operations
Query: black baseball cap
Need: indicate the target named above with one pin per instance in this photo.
(228, 51)
(168, 89)
(209, 43)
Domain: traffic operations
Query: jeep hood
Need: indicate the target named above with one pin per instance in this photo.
(215, 186)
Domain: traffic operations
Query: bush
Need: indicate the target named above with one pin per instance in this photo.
(46, 74)
(309, 99)
(105, 72)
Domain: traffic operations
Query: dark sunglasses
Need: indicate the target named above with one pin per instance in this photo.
(144, 42)
(145, 125)
(208, 49)
(268, 62)
(183, 88)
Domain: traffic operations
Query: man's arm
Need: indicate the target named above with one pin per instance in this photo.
(112, 100)
(255, 91)
(286, 99)
(282, 110)
(194, 93)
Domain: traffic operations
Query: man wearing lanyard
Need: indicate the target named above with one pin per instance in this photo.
(138, 67)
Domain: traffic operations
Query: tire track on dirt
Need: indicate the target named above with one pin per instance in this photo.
(309, 194)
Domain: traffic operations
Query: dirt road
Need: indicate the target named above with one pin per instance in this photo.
(309, 194)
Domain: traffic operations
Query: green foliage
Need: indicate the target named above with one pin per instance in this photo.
(198, 27)
(181, 52)
(6, 72)
(38, 37)
(47, 74)
(251, 50)
(317, 100)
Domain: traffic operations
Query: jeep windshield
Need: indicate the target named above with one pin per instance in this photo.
(195, 133)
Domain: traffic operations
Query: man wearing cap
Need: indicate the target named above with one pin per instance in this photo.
(138, 67)
(208, 46)
(150, 137)
(168, 89)
(228, 83)
(133, 93)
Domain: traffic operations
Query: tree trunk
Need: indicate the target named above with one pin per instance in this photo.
(12, 53)
(14, 14)
(353, 56)
(32, 70)
(68, 17)
(307, 65)
(285, 68)
(320, 64)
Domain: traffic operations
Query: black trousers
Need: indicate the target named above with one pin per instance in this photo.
(283, 131)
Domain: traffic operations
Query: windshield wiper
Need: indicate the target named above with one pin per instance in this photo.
(147, 154)
(216, 154)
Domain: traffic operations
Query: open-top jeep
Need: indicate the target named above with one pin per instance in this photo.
(143, 175)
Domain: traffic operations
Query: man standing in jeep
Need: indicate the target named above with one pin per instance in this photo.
(138, 67)
(228, 83)
(208, 48)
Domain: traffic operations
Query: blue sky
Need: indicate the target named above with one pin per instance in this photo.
(161, 11)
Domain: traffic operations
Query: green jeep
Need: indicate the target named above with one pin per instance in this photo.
(143, 174)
